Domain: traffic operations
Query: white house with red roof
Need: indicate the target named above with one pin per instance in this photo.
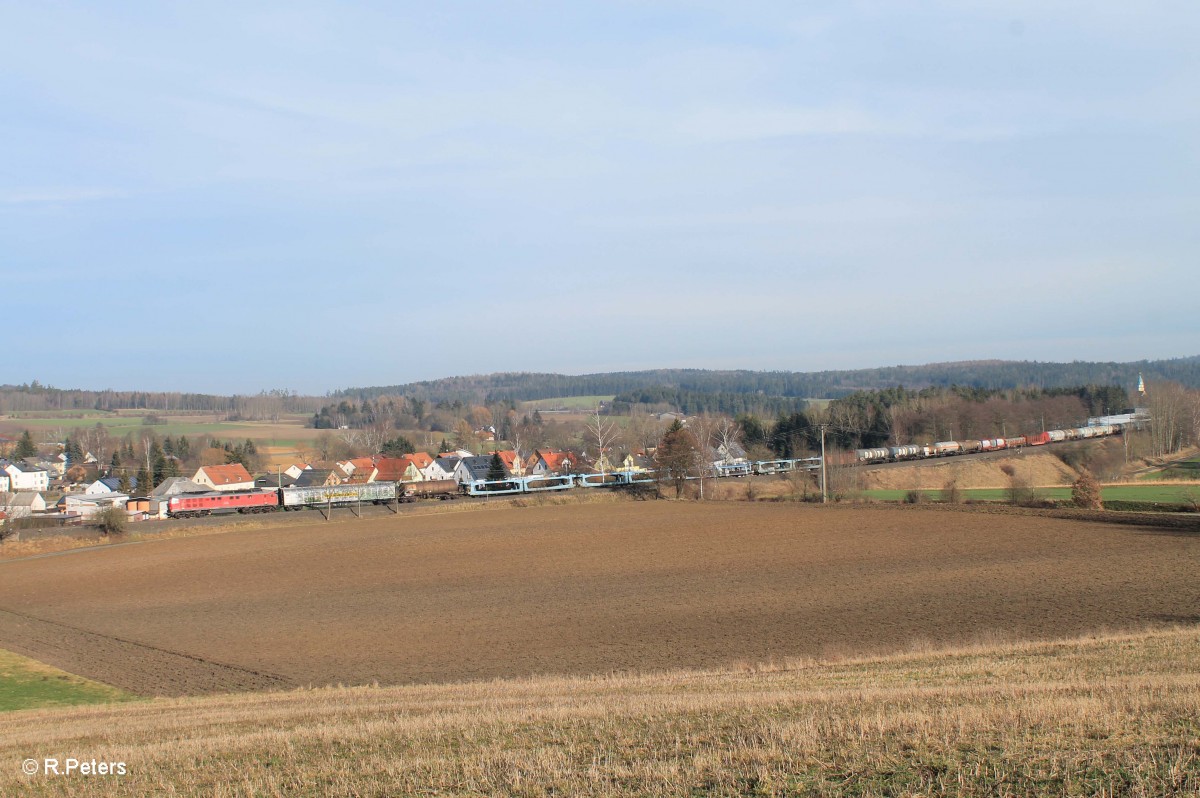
(547, 461)
(225, 477)
(512, 463)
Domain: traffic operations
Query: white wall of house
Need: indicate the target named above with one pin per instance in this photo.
(435, 471)
(202, 478)
(4, 482)
(90, 506)
(461, 474)
(37, 480)
(22, 505)
(97, 488)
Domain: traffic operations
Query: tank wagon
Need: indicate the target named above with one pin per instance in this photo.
(894, 454)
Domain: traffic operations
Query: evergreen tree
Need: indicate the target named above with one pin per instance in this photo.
(158, 462)
(25, 446)
(143, 481)
(496, 469)
(73, 450)
(116, 460)
(398, 446)
(124, 484)
(183, 449)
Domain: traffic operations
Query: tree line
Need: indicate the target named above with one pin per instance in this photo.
(985, 374)
(267, 405)
(867, 419)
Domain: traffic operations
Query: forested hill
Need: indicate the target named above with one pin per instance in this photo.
(995, 374)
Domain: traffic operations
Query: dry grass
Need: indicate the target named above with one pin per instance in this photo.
(1107, 716)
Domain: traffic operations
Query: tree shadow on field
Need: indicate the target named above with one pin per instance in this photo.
(1183, 620)
(1186, 526)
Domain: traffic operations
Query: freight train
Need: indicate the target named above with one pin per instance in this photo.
(892, 454)
(324, 497)
(264, 500)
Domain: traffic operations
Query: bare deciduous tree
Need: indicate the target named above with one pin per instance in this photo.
(376, 433)
(605, 433)
(727, 435)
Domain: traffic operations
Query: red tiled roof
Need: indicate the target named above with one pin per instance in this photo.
(391, 469)
(509, 459)
(555, 460)
(227, 474)
(422, 459)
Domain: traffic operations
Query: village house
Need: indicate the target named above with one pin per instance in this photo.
(22, 505)
(108, 485)
(547, 462)
(319, 478)
(26, 477)
(279, 479)
(397, 469)
(86, 506)
(512, 463)
(421, 459)
(443, 467)
(224, 477)
(637, 462)
(474, 469)
(730, 453)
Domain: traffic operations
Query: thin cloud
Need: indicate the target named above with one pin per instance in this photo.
(47, 196)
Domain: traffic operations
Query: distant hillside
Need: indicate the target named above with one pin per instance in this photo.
(996, 374)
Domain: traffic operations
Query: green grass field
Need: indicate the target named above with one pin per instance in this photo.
(1184, 469)
(285, 433)
(27, 684)
(1163, 494)
(566, 403)
(119, 425)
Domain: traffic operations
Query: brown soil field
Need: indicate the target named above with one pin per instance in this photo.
(581, 589)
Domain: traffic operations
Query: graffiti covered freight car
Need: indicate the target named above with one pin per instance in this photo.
(337, 495)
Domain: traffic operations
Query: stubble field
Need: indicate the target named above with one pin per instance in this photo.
(580, 590)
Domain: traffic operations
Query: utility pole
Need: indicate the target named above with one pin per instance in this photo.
(824, 494)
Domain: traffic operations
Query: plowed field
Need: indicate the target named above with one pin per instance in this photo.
(580, 589)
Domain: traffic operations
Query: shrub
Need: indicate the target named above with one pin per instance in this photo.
(914, 497)
(950, 492)
(112, 521)
(1086, 492)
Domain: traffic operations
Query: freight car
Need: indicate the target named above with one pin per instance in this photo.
(443, 489)
(894, 454)
(294, 498)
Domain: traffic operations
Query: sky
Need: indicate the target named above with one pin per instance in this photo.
(233, 197)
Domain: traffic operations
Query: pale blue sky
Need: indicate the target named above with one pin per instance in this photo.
(313, 195)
